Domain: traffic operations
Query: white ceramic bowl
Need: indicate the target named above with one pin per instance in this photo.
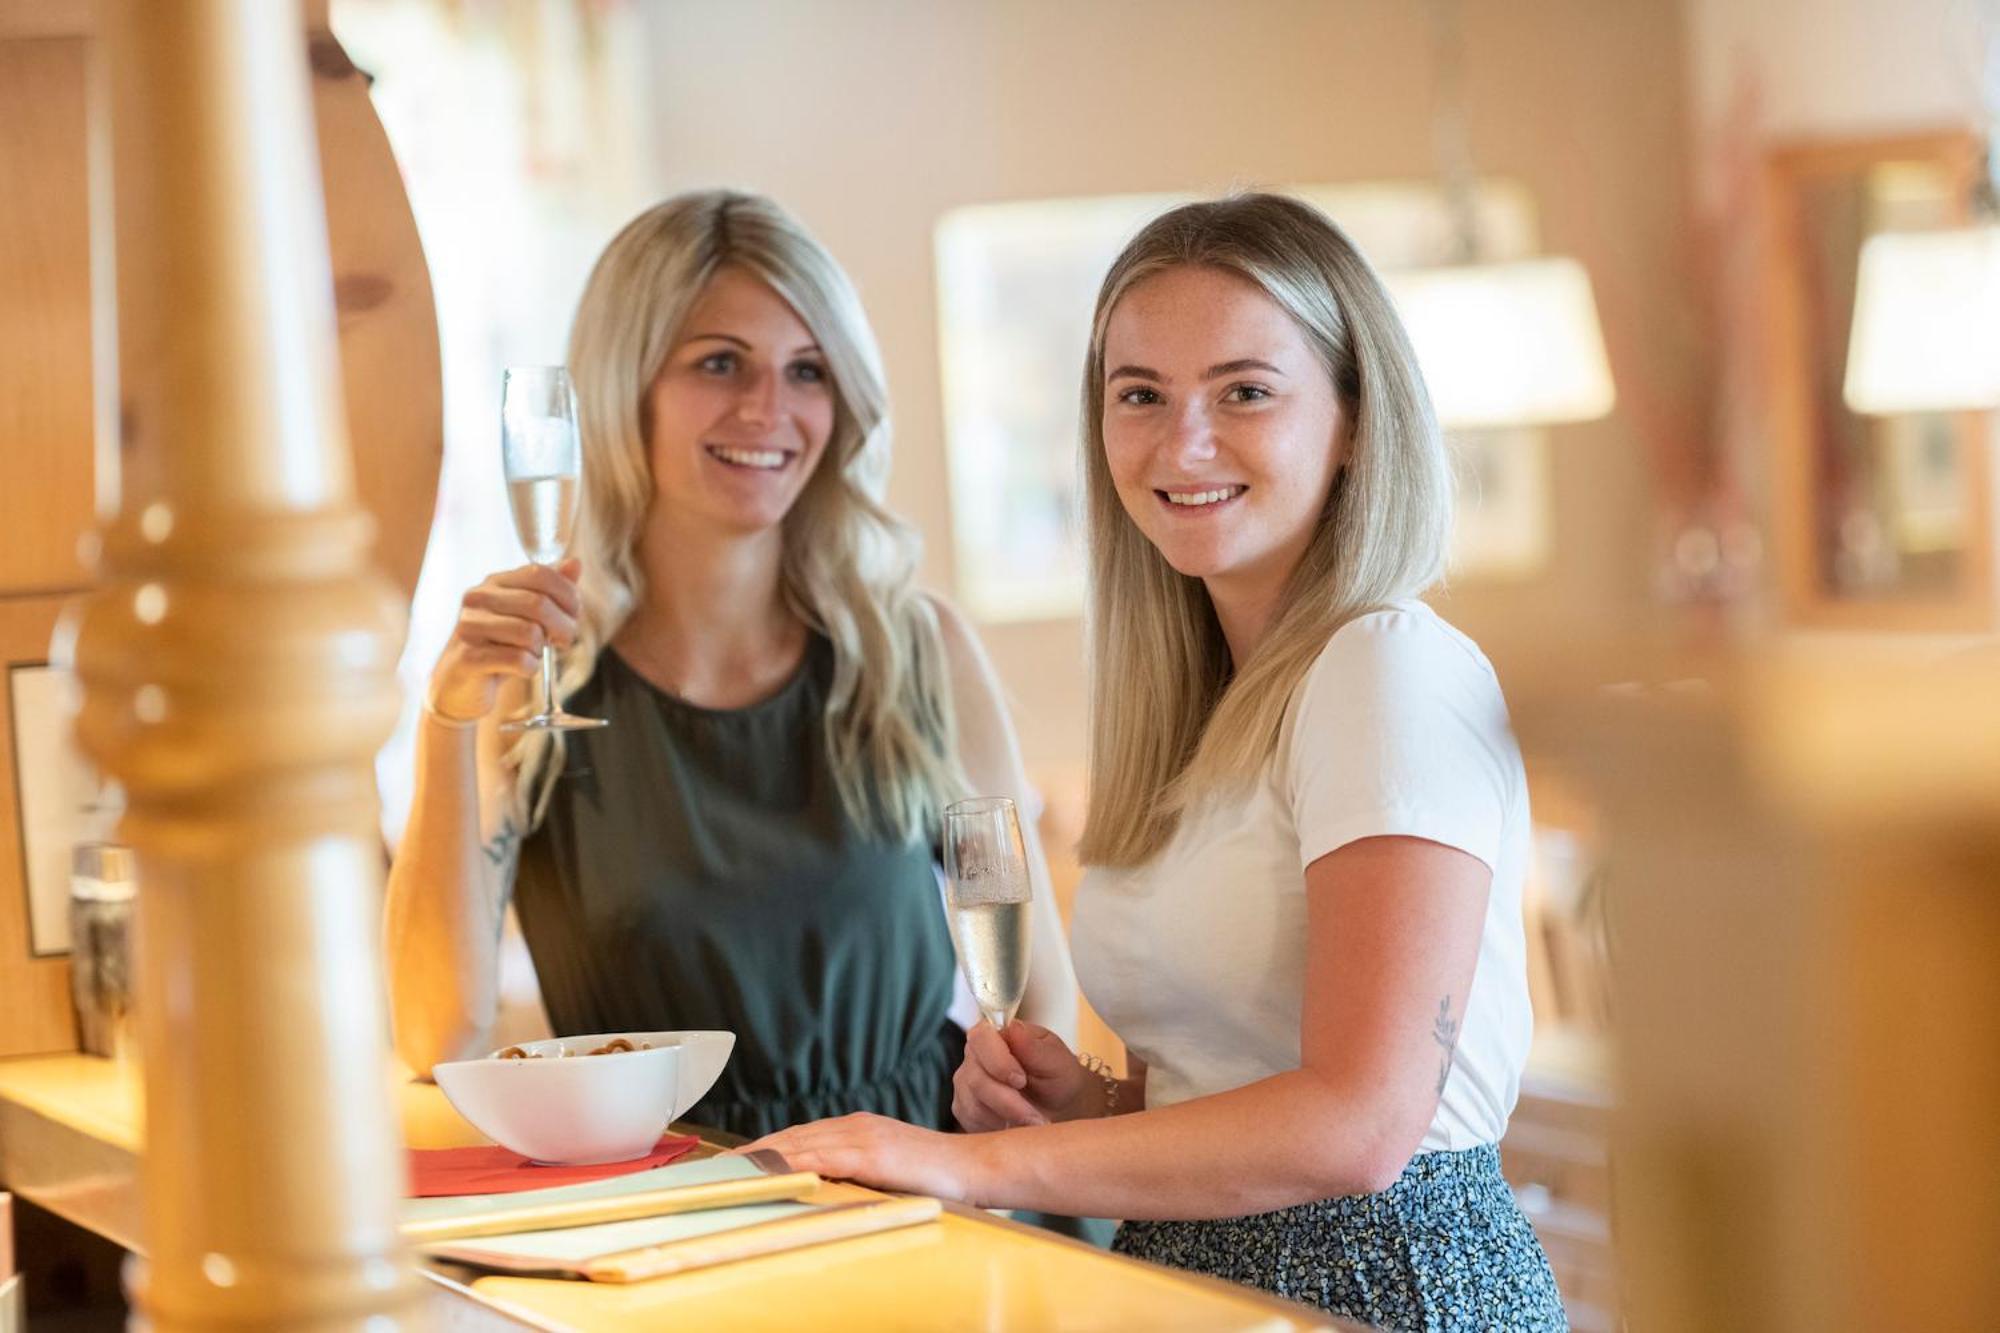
(581, 1109)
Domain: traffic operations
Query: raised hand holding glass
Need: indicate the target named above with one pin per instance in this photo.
(542, 457)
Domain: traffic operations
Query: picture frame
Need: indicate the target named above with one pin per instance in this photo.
(1878, 523)
(35, 1011)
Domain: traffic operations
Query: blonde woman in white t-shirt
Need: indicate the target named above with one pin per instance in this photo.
(1308, 822)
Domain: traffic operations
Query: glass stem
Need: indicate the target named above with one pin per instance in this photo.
(548, 680)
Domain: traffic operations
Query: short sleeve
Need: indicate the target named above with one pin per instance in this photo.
(1400, 729)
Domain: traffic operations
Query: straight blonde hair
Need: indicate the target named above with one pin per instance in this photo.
(849, 564)
(1173, 720)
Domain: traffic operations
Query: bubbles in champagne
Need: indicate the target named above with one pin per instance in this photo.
(544, 514)
(993, 937)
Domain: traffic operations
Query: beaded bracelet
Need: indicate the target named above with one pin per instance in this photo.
(1102, 1068)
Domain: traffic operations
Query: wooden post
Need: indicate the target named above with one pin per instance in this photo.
(237, 664)
(1803, 857)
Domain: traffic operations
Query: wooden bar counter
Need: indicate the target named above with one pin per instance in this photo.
(70, 1135)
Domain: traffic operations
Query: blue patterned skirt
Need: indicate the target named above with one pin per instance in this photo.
(1443, 1249)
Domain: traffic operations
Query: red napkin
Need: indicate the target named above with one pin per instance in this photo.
(494, 1170)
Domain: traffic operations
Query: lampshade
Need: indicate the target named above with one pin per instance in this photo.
(1926, 334)
(1507, 344)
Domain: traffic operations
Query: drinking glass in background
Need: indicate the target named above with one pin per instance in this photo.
(103, 880)
(543, 460)
(987, 896)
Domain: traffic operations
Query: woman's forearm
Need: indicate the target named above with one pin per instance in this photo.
(1285, 1140)
(445, 900)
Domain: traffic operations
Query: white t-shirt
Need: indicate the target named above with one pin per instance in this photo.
(1197, 958)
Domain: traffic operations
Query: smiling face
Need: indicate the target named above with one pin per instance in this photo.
(1222, 431)
(741, 409)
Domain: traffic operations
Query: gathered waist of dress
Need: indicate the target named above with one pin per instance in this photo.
(916, 1089)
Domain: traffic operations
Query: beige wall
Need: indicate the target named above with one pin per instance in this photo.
(1838, 66)
(871, 118)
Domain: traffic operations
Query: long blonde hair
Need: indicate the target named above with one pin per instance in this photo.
(848, 565)
(1173, 720)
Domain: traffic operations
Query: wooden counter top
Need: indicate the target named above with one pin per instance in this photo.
(70, 1129)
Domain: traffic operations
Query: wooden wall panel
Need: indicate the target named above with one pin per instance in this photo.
(46, 399)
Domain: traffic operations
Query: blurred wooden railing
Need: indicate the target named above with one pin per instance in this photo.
(238, 666)
(1803, 861)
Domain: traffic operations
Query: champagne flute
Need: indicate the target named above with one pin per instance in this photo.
(543, 460)
(987, 894)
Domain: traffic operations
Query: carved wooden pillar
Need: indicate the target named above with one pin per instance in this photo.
(237, 665)
(1804, 878)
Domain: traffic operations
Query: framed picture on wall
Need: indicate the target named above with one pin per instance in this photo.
(1881, 521)
(59, 799)
(1016, 283)
(41, 791)
(1502, 527)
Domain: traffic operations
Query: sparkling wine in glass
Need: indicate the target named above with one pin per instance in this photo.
(543, 461)
(987, 896)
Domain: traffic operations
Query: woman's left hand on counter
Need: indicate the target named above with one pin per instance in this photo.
(876, 1150)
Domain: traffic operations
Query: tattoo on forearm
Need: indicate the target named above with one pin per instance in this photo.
(500, 852)
(500, 855)
(1444, 1031)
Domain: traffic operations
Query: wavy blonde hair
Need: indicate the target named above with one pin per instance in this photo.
(848, 565)
(1173, 720)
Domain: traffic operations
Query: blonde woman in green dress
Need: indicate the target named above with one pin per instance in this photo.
(749, 845)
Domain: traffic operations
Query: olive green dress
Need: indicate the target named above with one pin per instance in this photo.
(696, 870)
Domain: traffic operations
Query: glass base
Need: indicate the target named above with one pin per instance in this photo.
(556, 721)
